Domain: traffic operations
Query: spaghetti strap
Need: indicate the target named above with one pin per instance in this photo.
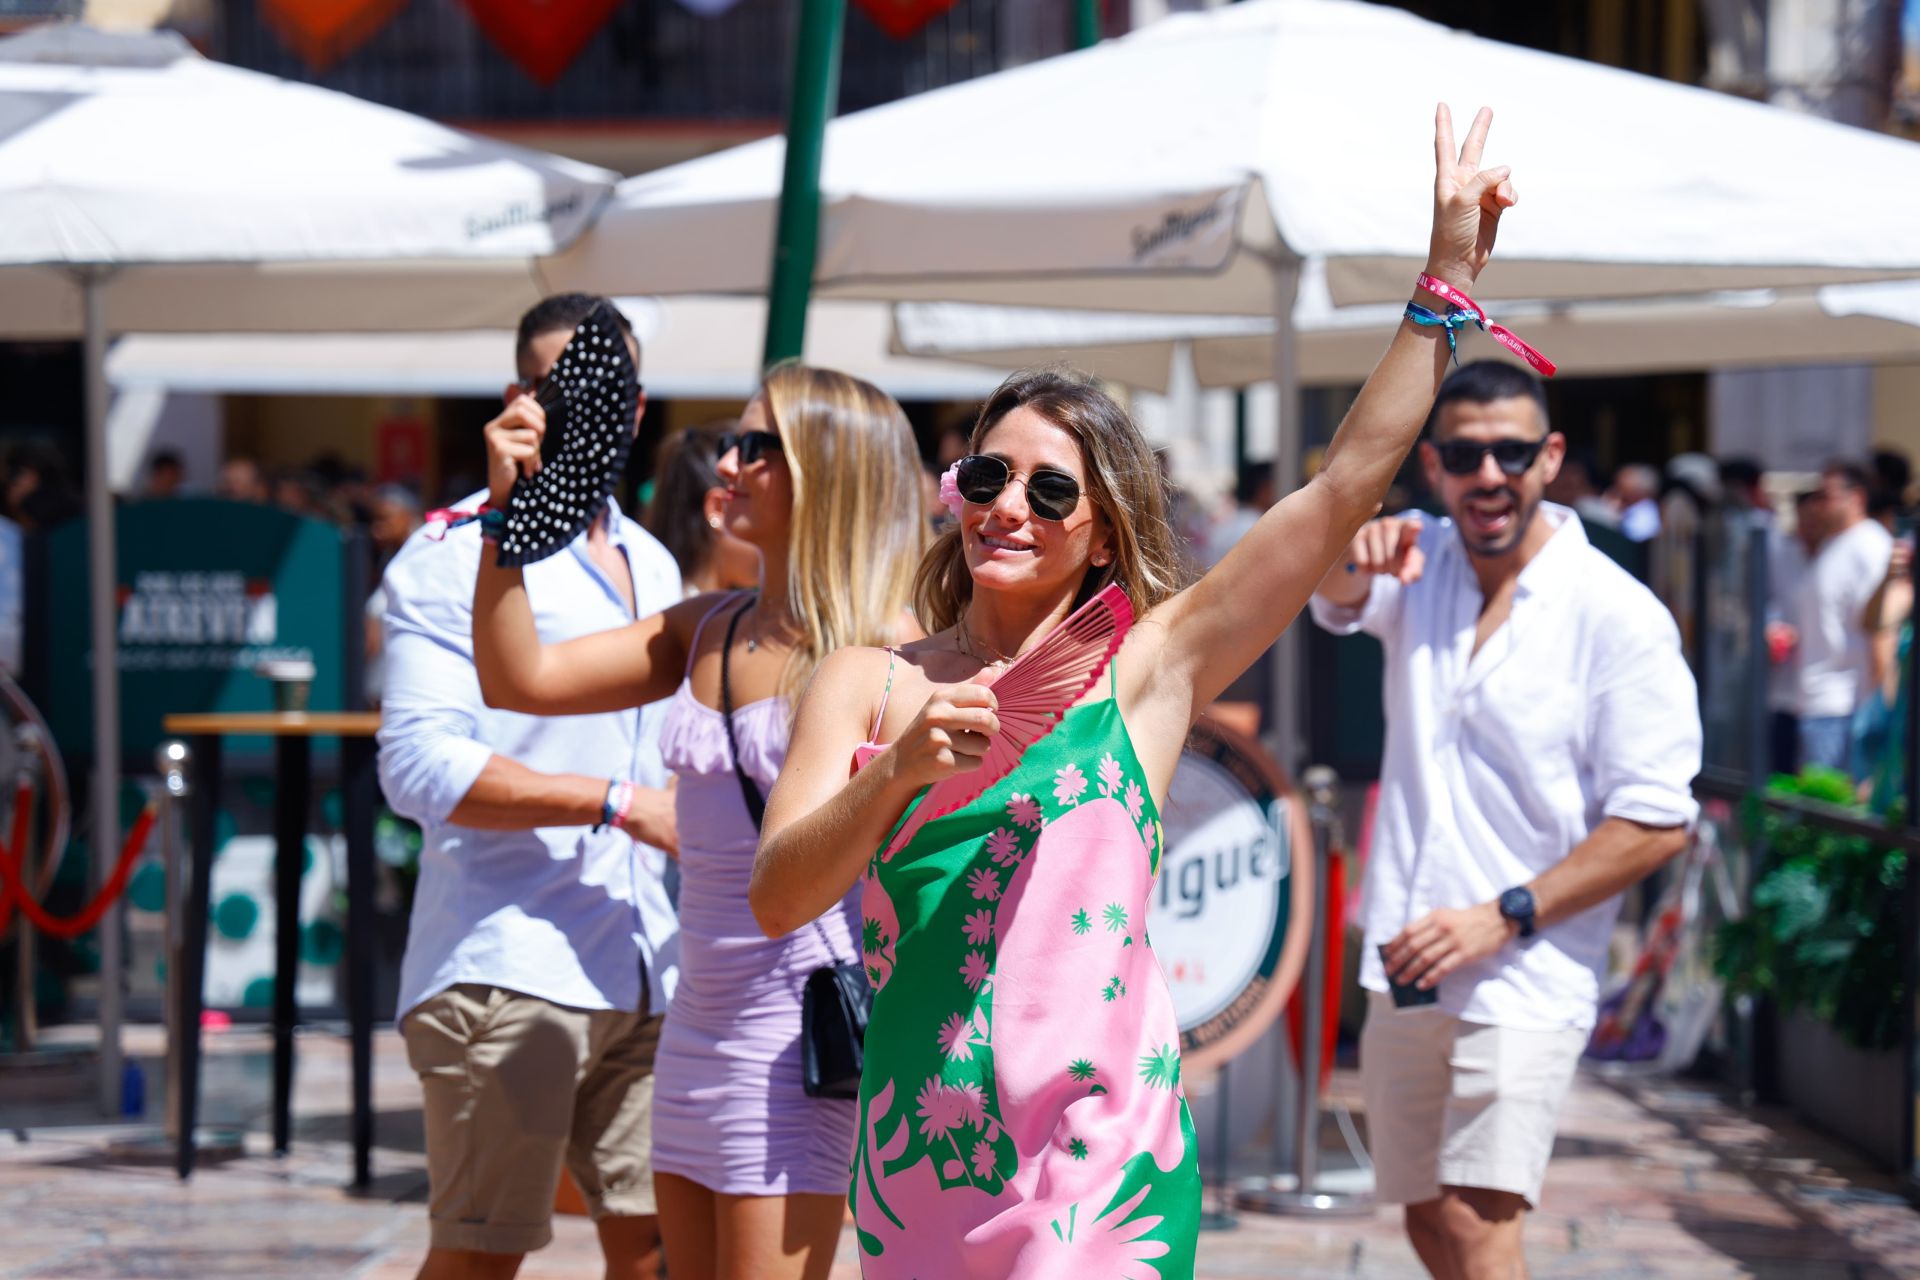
(693, 649)
(879, 716)
(1113, 677)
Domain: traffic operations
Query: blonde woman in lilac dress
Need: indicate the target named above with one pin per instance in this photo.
(823, 479)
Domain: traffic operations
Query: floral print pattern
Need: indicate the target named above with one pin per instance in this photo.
(1002, 1108)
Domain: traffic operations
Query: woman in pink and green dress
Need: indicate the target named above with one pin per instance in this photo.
(1021, 1112)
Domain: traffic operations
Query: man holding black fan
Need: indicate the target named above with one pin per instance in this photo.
(543, 947)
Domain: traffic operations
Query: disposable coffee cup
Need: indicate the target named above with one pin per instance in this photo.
(292, 681)
(1405, 994)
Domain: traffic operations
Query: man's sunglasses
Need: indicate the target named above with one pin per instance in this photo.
(753, 445)
(1051, 495)
(1462, 457)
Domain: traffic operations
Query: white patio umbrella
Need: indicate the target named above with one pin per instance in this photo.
(1192, 166)
(143, 187)
(1171, 169)
(1857, 324)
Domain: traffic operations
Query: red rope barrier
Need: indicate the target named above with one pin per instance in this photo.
(22, 825)
(14, 890)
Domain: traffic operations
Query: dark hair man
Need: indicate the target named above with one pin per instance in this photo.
(1541, 741)
(542, 950)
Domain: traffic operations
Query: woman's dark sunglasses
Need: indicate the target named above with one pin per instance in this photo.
(1462, 457)
(1051, 495)
(753, 445)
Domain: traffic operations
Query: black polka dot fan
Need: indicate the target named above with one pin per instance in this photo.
(590, 399)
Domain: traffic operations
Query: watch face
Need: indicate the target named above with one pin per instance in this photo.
(1517, 904)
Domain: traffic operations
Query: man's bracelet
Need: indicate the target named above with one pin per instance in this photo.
(617, 804)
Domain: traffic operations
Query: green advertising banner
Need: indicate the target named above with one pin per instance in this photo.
(208, 590)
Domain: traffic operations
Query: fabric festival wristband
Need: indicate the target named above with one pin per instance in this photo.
(624, 806)
(610, 811)
(490, 519)
(1499, 333)
(1430, 319)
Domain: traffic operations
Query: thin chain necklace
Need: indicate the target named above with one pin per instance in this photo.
(753, 624)
(971, 646)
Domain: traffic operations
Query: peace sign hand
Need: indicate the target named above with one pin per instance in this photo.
(1467, 201)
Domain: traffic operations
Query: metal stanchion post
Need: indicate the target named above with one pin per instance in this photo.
(1322, 787)
(173, 760)
(26, 1029)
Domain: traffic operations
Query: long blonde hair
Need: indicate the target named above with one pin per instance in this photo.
(1124, 481)
(857, 529)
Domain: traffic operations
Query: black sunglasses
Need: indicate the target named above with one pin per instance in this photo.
(753, 445)
(1462, 457)
(1051, 495)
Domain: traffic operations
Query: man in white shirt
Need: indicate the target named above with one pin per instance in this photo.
(1832, 658)
(1542, 736)
(543, 948)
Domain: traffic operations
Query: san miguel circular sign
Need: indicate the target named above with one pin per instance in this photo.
(1228, 917)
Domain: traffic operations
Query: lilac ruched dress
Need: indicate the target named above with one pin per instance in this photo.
(728, 1110)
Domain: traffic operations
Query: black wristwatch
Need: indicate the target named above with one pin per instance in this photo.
(1516, 904)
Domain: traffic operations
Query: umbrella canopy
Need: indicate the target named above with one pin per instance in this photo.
(1851, 324)
(142, 186)
(206, 198)
(1167, 171)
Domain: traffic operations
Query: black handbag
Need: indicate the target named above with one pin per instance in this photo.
(837, 998)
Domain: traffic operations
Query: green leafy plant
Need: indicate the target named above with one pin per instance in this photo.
(1822, 934)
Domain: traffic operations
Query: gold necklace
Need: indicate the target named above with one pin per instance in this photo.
(971, 645)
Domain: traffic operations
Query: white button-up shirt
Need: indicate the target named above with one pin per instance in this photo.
(577, 918)
(1579, 707)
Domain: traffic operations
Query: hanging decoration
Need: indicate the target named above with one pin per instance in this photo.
(542, 37)
(322, 32)
(901, 18)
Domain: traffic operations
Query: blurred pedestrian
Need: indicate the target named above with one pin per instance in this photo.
(1832, 660)
(1741, 487)
(1542, 739)
(166, 474)
(688, 512)
(542, 949)
(1578, 486)
(1636, 496)
(1789, 552)
(395, 515)
(1892, 475)
(241, 481)
(302, 493)
(822, 477)
(40, 491)
(1252, 495)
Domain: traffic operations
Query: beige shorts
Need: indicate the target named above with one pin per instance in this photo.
(515, 1085)
(1460, 1104)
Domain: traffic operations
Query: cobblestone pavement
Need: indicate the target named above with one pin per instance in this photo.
(1650, 1179)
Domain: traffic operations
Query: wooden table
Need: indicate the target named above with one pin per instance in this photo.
(292, 734)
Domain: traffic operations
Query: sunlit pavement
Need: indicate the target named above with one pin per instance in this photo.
(1651, 1179)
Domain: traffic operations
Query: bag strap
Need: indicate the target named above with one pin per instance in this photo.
(749, 792)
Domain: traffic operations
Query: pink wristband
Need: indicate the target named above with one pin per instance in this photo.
(1499, 333)
(623, 805)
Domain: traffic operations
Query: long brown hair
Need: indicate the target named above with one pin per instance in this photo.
(1124, 481)
(857, 528)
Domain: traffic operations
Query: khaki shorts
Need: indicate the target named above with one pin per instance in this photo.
(515, 1085)
(1460, 1104)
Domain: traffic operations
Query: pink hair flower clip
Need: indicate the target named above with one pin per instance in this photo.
(950, 490)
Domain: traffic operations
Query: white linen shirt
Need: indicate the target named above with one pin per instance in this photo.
(555, 912)
(1578, 708)
(1833, 663)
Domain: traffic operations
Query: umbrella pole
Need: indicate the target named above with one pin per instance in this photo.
(106, 682)
(816, 92)
(1283, 732)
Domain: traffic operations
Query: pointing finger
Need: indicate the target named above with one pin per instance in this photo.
(1477, 137)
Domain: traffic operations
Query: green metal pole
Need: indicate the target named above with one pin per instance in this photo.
(1086, 23)
(816, 90)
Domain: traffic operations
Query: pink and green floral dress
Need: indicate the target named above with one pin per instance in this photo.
(1021, 1113)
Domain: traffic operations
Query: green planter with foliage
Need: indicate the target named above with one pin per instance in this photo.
(1822, 933)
